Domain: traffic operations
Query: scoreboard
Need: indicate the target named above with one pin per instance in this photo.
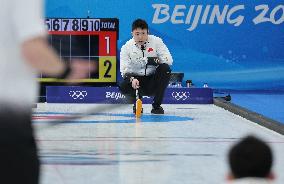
(88, 39)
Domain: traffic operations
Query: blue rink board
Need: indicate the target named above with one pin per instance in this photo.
(80, 94)
(267, 104)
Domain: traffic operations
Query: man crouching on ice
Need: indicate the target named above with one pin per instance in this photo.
(144, 65)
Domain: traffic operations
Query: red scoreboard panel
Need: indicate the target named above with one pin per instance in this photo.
(90, 39)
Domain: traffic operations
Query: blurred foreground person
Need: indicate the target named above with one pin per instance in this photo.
(250, 161)
(24, 53)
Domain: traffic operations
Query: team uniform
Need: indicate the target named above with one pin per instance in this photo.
(153, 78)
(20, 21)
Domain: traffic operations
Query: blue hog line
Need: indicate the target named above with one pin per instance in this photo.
(146, 118)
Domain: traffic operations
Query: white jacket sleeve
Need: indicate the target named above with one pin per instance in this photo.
(124, 60)
(163, 52)
(28, 19)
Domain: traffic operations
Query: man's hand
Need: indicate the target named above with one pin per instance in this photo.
(153, 61)
(43, 58)
(80, 69)
(135, 83)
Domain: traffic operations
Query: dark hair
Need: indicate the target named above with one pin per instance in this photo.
(251, 157)
(139, 23)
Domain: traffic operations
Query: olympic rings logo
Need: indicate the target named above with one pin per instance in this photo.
(78, 94)
(183, 95)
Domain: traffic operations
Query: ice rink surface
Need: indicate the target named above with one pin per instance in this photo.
(188, 144)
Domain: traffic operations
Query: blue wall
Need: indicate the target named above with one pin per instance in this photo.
(232, 52)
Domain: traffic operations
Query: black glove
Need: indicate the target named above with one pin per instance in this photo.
(153, 61)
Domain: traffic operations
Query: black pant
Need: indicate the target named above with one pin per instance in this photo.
(153, 85)
(18, 153)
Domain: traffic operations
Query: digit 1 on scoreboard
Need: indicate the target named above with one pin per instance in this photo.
(107, 44)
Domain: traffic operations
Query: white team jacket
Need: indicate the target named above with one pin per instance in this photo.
(133, 60)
